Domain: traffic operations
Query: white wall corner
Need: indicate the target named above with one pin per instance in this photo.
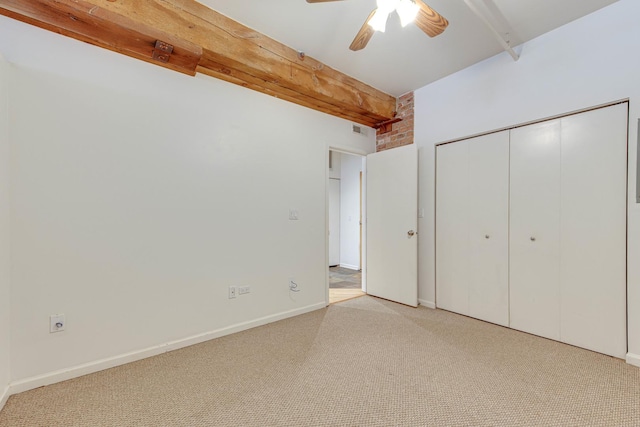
(4, 396)
(122, 359)
(428, 304)
(633, 359)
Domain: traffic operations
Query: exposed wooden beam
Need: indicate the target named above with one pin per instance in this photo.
(206, 41)
(213, 69)
(85, 21)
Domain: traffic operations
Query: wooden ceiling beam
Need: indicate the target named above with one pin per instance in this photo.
(208, 42)
(222, 72)
(84, 21)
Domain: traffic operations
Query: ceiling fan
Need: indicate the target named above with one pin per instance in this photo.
(427, 19)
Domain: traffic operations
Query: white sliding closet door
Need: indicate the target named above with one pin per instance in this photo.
(452, 227)
(568, 229)
(472, 212)
(593, 230)
(531, 228)
(535, 229)
(489, 228)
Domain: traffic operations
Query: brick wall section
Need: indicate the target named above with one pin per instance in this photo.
(402, 132)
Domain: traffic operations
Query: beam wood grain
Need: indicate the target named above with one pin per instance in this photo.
(93, 24)
(204, 38)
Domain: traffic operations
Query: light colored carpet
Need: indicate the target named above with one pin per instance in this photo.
(363, 362)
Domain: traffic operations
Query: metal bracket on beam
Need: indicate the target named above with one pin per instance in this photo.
(491, 10)
(162, 51)
(386, 126)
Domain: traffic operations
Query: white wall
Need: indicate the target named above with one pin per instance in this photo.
(141, 195)
(334, 207)
(334, 221)
(4, 232)
(571, 68)
(350, 211)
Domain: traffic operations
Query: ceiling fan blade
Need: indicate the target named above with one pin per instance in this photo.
(364, 35)
(430, 21)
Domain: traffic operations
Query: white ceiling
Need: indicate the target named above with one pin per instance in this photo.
(401, 59)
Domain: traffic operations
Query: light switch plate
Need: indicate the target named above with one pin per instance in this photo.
(293, 214)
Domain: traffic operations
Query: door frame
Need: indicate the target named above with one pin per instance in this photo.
(363, 213)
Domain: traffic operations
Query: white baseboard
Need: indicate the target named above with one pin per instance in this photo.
(4, 396)
(427, 304)
(99, 365)
(633, 359)
(349, 266)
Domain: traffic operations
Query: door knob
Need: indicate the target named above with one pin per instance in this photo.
(411, 233)
(533, 239)
(486, 236)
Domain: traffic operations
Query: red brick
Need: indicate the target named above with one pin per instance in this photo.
(402, 132)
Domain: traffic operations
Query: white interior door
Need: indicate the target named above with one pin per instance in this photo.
(392, 241)
(334, 221)
(535, 229)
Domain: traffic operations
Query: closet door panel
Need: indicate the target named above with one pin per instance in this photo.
(489, 228)
(593, 230)
(535, 229)
(452, 227)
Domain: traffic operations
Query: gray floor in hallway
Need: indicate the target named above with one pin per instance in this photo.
(344, 278)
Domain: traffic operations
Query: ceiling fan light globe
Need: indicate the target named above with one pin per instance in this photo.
(407, 11)
(379, 20)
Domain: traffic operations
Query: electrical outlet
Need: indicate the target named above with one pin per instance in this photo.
(57, 323)
(232, 292)
(293, 215)
(244, 290)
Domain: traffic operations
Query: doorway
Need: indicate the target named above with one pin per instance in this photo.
(345, 202)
